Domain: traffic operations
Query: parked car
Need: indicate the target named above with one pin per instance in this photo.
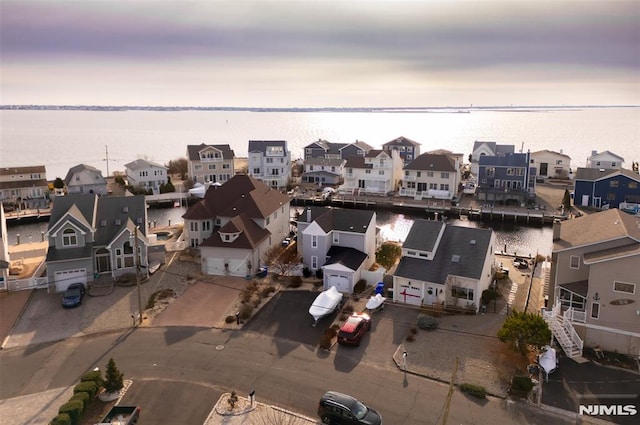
(286, 242)
(340, 409)
(354, 328)
(72, 296)
(521, 263)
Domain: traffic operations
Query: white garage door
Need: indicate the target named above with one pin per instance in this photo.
(214, 266)
(340, 282)
(65, 278)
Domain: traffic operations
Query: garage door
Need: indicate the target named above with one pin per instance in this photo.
(214, 266)
(65, 278)
(340, 282)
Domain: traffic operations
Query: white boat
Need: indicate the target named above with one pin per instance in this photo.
(548, 360)
(376, 302)
(325, 303)
(469, 188)
(630, 208)
(154, 266)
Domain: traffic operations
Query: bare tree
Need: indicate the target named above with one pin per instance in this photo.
(281, 259)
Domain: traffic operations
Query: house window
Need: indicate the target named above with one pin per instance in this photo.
(212, 166)
(574, 262)
(444, 187)
(633, 185)
(226, 166)
(509, 171)
(627, 288)
(381, 172)
(268, 220)
(460, 292)
(597, 163)
(409, 157)
(559, 162)
(429, 173)
(595, 310)
(613, 164)
(269, 160)
(406, 173)
(444, 175)
(613, 183)
(194, 243)
(69, 238)
(419, 174)
(206, 226)
(367, 171)
(314, 241)
(314, 262)
(193, 226)
(256, 171)
(411, 253)
(491, 171)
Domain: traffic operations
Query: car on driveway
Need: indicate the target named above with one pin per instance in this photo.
(520, 263)
(72, 296)
(340, 409)
(354, 328)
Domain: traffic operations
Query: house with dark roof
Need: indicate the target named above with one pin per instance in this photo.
(210, 163)
(91, 235)
(407, 148)
(606, 160)
(594, 286)
(481, 149)
(85, 179)
(506, 179)
(332, 150)
(24, 187)
(444, 265)
(145, 174)
(377, 172)
(323, 171)
(235, 224)
(270, 162)
(341, 242)
(605, 187)
(431, 176)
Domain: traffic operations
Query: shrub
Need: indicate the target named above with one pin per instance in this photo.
(319, 273)
(61, 419)
(74, 409)
(229, 319)
(306, 272)
(295, 282)
(474, 390)
(246, 310)
(327, 338)
(413, 330)
(113, 381)
(427, 322)
(84, 397)
(92, 375)
(360, 286)
(522, 384)
(90, 387)
(267, 290)
(489, 295)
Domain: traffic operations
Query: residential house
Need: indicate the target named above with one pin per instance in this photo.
(5, 260)
(146, 174)
(481, 149)
(323, 171)
(506, 179)
(330, 150)
(594, 285)
(341, 242)
(444, 266)
(236, 224)
(270, 162)
(605, 188)
(408, 149)
(91, 235)
(210, 163)
(378, 172)
(606, 160)
(431, 176)
(551, 164)
(24, 187)
(85, 179)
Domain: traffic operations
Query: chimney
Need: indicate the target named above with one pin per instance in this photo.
(308, 214)
(594, 153)
(556, 229)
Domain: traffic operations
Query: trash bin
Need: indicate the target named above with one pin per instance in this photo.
(380, 288)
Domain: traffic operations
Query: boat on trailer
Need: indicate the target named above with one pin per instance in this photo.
(325, 303)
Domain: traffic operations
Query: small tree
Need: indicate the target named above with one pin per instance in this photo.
(281, 260)
(113, 381)
(58, 183)
(522, 329)
(388, 254)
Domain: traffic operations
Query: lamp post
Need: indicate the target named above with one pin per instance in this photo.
(137, 265)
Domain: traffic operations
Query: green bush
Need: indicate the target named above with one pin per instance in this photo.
(474, 390)
(319, 273)
(489, 295)
(74, 409)
(427, 322)
(229, 319)
(92, 375)
(522, 384)
(360, 286)
(84, 397)
(61, 419)
(267, 290)
(306, 272)
(90, 387)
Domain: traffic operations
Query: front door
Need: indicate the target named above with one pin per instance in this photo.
(430, 298)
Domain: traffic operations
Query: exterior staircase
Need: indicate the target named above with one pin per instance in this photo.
(562, 328)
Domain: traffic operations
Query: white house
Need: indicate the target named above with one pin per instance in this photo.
(210, 163)
(377, 172)
(606, 160)
(551, 164)
(270, 162)
(146, 174)
(84, 179)
(431, 176)
(444, 265)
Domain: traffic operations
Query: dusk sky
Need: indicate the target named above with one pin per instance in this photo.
(319, 53)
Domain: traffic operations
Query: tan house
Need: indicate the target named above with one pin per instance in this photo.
(595, 284)
(550, 164)
(210, 163)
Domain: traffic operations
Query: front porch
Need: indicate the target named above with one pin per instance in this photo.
(561, 325)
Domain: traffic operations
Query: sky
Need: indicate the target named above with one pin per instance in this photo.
(322, 53)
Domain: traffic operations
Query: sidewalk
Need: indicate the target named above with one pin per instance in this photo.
(245, 412)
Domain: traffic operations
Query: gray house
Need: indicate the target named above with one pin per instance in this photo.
(85, 179)
(91, 236)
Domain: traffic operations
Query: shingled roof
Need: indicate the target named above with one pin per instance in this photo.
(250, 234)
(194, 150)
(431, 162)
(603, 226)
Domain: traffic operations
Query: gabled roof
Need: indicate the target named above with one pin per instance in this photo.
(240, 194)
(509, 160)
(595, 174)
(331, 162)
(373, 153)
(348, 257)
(126, 210)
(194, 150)
(250, 234)
(346, 220)
(543, 151)
(357, 162)
(85, 205)
(603, 226)
(431, 162)
(401, 141)
(8, 171)
(496, 148)
(140, 164)
(461, 252)
(80, 168)
(261, 145)
(596, 154)
(423, 235)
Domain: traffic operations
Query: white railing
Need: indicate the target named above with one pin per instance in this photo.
(30, 283)
(575, 315)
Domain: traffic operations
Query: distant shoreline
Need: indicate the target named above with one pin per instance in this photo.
(405, 109)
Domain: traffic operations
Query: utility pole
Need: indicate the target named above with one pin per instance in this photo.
(447, 403)
(137, 264)
(106, 158)
(535, 263)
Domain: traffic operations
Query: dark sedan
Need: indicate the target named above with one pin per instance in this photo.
(72, 297)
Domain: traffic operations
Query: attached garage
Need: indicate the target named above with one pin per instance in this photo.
(65, 278)
(340, 282)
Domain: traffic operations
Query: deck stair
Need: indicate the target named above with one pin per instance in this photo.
(562, 328)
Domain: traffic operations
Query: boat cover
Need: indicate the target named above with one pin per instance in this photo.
(325, 303)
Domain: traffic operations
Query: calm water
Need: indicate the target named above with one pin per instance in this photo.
(63, 139)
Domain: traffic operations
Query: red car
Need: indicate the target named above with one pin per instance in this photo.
(354, 328)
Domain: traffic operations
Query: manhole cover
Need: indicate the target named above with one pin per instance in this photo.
(219, 347)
